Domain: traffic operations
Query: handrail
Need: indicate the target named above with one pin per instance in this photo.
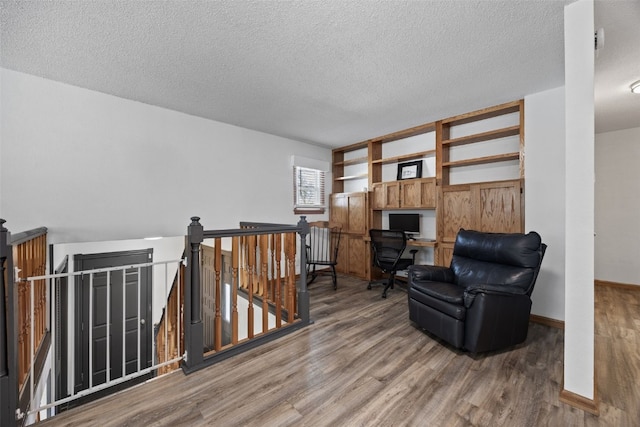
(25, 236)
(259, 229)
(262, 262)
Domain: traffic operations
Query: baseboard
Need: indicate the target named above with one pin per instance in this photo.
(547, 321)
(588, 405)
(628, 286)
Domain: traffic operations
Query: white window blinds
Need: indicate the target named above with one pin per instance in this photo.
(308, 190)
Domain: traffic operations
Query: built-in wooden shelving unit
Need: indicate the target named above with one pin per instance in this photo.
(488, 205)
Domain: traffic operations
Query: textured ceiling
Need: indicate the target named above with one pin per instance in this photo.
(327, 72)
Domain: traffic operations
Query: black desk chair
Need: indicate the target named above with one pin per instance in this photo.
(322, 246)
(388, 246)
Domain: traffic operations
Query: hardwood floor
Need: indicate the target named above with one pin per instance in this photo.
(362, 363)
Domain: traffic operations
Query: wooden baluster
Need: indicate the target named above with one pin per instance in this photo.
(277, 249)
(24, 315)
(244, 266)
(235, 255)
(264, 260)
(43, 287)
(291, 275)
(250, 269)
(218, 293)
(272, 276)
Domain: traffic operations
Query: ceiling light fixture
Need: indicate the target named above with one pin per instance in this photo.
(635, 87)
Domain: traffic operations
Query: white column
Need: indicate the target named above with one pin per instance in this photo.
(580, 176)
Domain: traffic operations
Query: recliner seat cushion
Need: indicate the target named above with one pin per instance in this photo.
(447, 298)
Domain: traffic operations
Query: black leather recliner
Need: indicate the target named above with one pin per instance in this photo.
(482, 301)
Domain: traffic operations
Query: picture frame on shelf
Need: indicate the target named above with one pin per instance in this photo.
(409, 170)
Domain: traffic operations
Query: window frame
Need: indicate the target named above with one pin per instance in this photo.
(309, 208)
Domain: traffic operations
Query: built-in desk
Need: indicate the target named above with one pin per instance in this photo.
(423, 243)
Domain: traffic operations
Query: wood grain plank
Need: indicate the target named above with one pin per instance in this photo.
(363, 363)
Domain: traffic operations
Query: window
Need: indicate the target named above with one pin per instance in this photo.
(308, 190)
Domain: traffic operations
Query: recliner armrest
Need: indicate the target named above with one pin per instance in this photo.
(430, 272)
(471, 291)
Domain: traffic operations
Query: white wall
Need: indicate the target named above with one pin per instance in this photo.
(579, 343)
(94, 167)
(617, 206)
(545, 194)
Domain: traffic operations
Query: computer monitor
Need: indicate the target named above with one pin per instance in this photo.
(409, 223)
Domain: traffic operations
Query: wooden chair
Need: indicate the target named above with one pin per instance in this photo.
(322, 246)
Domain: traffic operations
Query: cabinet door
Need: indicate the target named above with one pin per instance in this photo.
(410, 193)
(444, 253)
(428, 193)
(392, 195)
(378, 195)
(343, 255)
(456, 212)
(498, 207)
(357, 256)
(338, 210)
(357, 213)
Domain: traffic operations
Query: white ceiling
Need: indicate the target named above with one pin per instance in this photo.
(326, 72)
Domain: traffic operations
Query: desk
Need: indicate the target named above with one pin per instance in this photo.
(419, 243)
(423, 243)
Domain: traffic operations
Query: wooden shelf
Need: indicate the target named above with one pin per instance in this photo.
(352, 177)
(352, 147)
(485, 136)
(483, 160)
(404, 157)
(485, 113)
(357, 161)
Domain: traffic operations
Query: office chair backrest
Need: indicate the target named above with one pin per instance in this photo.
(388, 246)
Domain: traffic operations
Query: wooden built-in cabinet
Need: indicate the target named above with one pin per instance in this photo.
(351, 212)
(486, 206)
(408, 194)
(464, 192)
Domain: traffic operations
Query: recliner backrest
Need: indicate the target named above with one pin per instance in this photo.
(509, 259)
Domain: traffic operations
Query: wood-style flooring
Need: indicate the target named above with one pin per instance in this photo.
(363, 364)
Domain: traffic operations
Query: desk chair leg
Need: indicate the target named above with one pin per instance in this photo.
(389, 284)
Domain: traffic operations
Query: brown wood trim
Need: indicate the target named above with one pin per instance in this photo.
(628, 286)
(547, 321)
(588, 405)
(405, 133)
(484, 113)
(352, 147)
(308, 211)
